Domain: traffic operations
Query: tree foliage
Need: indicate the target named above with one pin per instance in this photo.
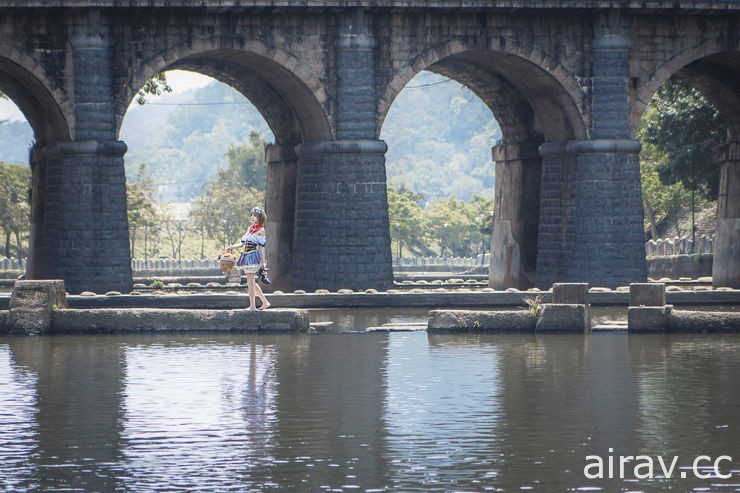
(15, 209)
(685, 130)
(156, 86)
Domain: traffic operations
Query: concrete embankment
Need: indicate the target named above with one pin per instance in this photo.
(40, 307)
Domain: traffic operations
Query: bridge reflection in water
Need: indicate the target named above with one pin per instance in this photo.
(349, 412)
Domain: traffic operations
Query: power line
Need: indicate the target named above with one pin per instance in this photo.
(430, 84)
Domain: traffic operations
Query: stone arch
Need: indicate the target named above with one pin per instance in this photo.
(707, 68)
(529, 93)
(285, 91)
(49, 112)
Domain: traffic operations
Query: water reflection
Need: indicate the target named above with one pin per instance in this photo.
(349, 412)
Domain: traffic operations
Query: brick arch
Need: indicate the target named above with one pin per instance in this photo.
(530, 94)
(695, 66)
(285, 91)
(49, 112)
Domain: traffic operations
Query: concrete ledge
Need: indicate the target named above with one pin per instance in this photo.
(108, 321)
(480, 321)
(700, 321)
(563, 318)
(647, 318)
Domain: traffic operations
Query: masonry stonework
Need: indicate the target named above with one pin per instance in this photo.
(568, 78)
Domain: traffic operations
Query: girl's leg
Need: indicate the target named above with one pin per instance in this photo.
(251, 287)
(265, 304)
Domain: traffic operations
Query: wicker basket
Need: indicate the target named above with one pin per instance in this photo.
(226, 262)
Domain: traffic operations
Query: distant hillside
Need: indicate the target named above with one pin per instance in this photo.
(439, 138)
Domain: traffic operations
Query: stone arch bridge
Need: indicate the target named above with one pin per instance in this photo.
(566, 79)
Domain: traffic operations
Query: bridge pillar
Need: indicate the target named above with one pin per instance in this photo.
(342, 234)
(280, 206)
(591, 218)
(726, 263)
(516, 211)
(590, 227)
(342, 237)
(80, 233)
(79, 212)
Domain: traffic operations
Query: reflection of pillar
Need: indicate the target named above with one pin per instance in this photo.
(726, 262)
(280, 207)
(331, 409)
(79, 387)
(516, 210)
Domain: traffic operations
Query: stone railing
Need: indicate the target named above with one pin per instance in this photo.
(679, 246)
(173, 264)
(435, 261)
(12, 264)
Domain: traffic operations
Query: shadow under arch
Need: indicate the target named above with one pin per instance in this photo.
(715, 75)
(40, 106)
(534, 103)
(530, 101)
(27, 86)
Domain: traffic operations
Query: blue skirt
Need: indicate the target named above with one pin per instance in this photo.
(251, 258)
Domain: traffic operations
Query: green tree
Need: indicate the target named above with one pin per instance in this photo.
(452, 225)
(407, 221)
(15, 209)
(222, 210)
(679, 132)
(155, 86)
(686, 129)
(482, 210)
(141, 208)
(247, 163)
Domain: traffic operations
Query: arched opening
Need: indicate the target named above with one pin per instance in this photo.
(440, 175)
(532, 106)
(699, 165)
(288, 104)
(30, 119)
(195, 166)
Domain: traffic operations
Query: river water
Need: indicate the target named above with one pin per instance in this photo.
(403, 411)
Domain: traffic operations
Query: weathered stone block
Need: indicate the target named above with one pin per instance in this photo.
(563, 318)
(647, 294)
(31, 305)
(647, 318)
(480, 321)
(570, 293)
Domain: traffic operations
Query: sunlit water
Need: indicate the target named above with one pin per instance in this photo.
(372, 412)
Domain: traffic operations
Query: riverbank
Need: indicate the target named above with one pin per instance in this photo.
(43, 307)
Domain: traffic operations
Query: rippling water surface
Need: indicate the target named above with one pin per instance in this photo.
(372, 412)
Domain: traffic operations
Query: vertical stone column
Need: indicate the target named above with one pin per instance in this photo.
(591, 221)
(726, 262)
(610, 77)
(342, 235)
(82, 237)
(591, 217)
(280, 207)
(356, 92)
(516, 215)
